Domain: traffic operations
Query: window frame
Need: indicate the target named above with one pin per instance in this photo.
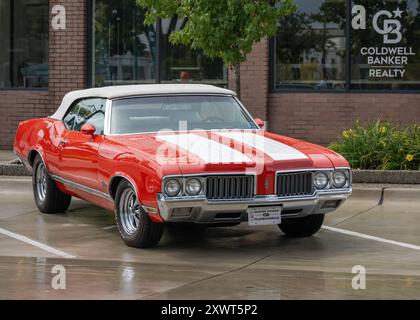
(347, 74)
(76, 102)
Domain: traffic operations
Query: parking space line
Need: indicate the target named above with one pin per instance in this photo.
(36, 244)
(366, 236)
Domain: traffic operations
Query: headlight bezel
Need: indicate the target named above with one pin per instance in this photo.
(188, 180)
(327, 182)
(331, 185)
(183, 180)
(178, 181)
(346, 179)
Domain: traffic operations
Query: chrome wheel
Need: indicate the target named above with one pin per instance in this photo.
(41, 182)
(129, 210)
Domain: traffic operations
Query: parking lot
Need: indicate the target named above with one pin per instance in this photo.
(378, 228)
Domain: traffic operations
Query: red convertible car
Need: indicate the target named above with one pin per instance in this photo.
(159, 154)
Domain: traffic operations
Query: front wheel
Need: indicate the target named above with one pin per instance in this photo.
(134, 224)
(302, 227)
(48, 198)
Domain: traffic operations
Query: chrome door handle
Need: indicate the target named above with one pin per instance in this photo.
(64, 141)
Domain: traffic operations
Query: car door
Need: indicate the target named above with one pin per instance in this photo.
(79, 152)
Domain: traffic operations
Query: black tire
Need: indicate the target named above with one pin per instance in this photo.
(302, 227)
(140, 231)
(50, 200)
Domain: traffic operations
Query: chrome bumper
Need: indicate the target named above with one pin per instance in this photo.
(201, 210)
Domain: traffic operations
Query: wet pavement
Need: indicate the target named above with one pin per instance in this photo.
(239, 262)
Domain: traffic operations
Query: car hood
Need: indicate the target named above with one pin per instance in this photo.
(230, 151)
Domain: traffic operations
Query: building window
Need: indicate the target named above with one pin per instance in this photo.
(311, 46)
(343, 45)
(24, 46)
(125, 51)
(183, 64)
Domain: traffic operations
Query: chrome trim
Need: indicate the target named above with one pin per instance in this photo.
(329, 172)
(202, 184)
(288, 172)
(177, 131)
(98, 193)
(203, 178)
(146, 209)
(304, 170)
(349, 176)
(249, 183)
(107, 124)
(121, 176)
(42, 158)
(82, 187)
(346, 175)
(205, 211)
(181, 182)
(248, 114)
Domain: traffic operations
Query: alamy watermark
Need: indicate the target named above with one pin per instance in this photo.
(58, 281)
(58, 21)
(359, 280)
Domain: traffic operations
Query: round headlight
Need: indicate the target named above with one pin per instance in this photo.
(321, 180)
(339, 179)
(193, 187)
(172, 187)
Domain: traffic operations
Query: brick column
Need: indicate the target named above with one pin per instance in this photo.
(254, 80)
(68, 51)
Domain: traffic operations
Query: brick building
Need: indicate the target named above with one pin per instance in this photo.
(323, 71)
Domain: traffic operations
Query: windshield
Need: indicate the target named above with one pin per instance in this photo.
(152, 114)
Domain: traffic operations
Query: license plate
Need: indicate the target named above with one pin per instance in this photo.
(260, 216)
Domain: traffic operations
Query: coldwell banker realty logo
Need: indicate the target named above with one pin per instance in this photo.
(390, 60)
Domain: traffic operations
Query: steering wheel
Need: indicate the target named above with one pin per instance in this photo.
(213, 119)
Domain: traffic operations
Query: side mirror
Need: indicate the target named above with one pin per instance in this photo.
(260, 123)
(88, 129)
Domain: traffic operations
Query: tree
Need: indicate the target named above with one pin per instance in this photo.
(225, 29)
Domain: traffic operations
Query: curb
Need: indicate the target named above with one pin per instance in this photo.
(13, 170)
(359, 176)
(386, 176)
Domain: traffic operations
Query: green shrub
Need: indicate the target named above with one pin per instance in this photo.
(381, 145)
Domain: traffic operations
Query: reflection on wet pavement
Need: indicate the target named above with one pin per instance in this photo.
(216, 263)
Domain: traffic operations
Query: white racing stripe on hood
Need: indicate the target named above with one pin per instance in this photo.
(274, 149)
(207, 150)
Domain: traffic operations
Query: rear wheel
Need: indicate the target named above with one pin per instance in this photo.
(302, 227)
(135, 226)
(48, 198)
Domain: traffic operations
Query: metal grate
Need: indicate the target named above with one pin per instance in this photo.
(229, 187)
(294, 184)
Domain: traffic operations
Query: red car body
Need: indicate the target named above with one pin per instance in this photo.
(90, 166)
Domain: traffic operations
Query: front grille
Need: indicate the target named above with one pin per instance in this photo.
(229, 187)
(294, 184)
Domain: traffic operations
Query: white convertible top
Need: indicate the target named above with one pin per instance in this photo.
(135, 90)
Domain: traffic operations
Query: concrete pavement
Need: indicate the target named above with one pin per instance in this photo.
(221, 263)
(6, 155)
